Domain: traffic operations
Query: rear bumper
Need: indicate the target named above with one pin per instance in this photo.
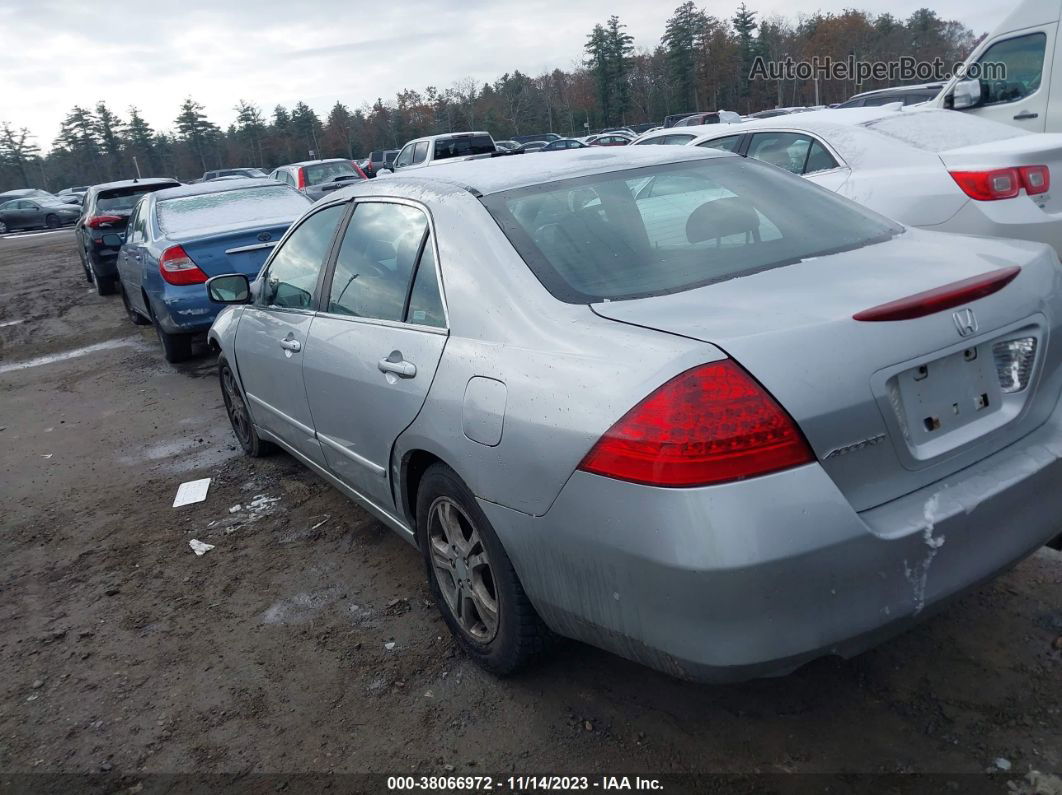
(184, 310)
(758, 577)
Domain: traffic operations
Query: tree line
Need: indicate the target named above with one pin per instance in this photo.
(701, 63)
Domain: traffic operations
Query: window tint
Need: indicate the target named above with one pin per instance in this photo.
(464, 145)
(126, 198)
(607, 237)
(425, 301)
(376, 259)
(728, 144)
(819, 159)
(293, 271)
(1023, 58)
(230, 208)
(782, 149)
(420, 152)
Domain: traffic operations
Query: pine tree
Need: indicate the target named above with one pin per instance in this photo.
(17, 149)
(307, 127)
(250, 127)
(109, 128)
(681, 34)
(338, 131)
(197, 131)
(744, 25)
(140, 143)
(79, 136)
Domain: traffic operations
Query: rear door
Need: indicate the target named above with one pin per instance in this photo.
(376, 342)
(799, 153)
(273, 332)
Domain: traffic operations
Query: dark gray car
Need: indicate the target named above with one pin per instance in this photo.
(36, 213)
(317, 178)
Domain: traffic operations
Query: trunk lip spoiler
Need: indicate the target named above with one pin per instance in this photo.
(938, 299)
(252, 247)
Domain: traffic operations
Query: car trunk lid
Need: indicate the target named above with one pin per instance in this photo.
(1023, 150)
(888, 407)
(233, 251)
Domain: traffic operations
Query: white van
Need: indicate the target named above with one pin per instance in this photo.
(1030, 96)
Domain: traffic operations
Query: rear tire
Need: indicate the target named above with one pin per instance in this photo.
(472, 579)
(104, 286)
(135, 317)
(239, 417)
(175, 347)
(3, 228)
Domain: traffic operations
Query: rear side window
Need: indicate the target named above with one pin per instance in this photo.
(229, 208)
(663, 229)
(126, 198)
(463, 146)
(678, 140)
(728, 144)
(425, 300)
(376, 260)
(293, 270)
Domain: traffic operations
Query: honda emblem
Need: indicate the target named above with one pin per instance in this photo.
(965, 322)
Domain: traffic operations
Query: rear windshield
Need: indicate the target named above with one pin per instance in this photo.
(664, 229)
(231, 208)
(327, 172)
(126, 198)
(460, 147)
(941, 130)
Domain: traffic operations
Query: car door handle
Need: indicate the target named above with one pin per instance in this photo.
(1026, 114)
(401, 368)
(291, 345)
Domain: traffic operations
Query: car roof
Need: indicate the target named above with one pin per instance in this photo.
(898, 90)
(221, 186)
(507, 172)
(815, 119)
(312, 162)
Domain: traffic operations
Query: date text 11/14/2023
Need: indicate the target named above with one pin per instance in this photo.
(456, 783)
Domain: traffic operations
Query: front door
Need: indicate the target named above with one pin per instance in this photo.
(272, 336)
(376, 342)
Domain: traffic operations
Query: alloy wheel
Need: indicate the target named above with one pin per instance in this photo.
(235, 407)
(463, 570)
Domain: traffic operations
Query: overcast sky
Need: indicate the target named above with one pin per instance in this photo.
(58, 53)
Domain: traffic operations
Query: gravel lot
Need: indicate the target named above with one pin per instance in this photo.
(122, 651)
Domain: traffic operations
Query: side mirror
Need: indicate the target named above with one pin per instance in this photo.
(113, 239)
(232, 288)
(966, 94)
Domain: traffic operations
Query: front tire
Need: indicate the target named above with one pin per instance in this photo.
(52, 222)
(472, 579)
(239, 417)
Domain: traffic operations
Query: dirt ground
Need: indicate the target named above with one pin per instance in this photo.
(305, 642)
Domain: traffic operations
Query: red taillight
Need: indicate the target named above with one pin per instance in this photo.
(711, 424)
(941, 298)
(96, 221)
(1003, 183)
(300, 175)
(178, 268)
(1036, 179)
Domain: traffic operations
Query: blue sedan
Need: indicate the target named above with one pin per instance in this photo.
(178, 238)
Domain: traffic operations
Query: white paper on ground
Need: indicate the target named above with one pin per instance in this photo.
(199, 547)
(191, 491)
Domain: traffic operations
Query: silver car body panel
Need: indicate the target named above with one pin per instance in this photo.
(728, 581)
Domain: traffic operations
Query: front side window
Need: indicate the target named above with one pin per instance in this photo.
(420, 152)
(405, 157)
(663, 229)
(292, 272)
(376, 259)
(1022, 58)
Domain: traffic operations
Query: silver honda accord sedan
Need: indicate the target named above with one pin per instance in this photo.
(677, 404)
